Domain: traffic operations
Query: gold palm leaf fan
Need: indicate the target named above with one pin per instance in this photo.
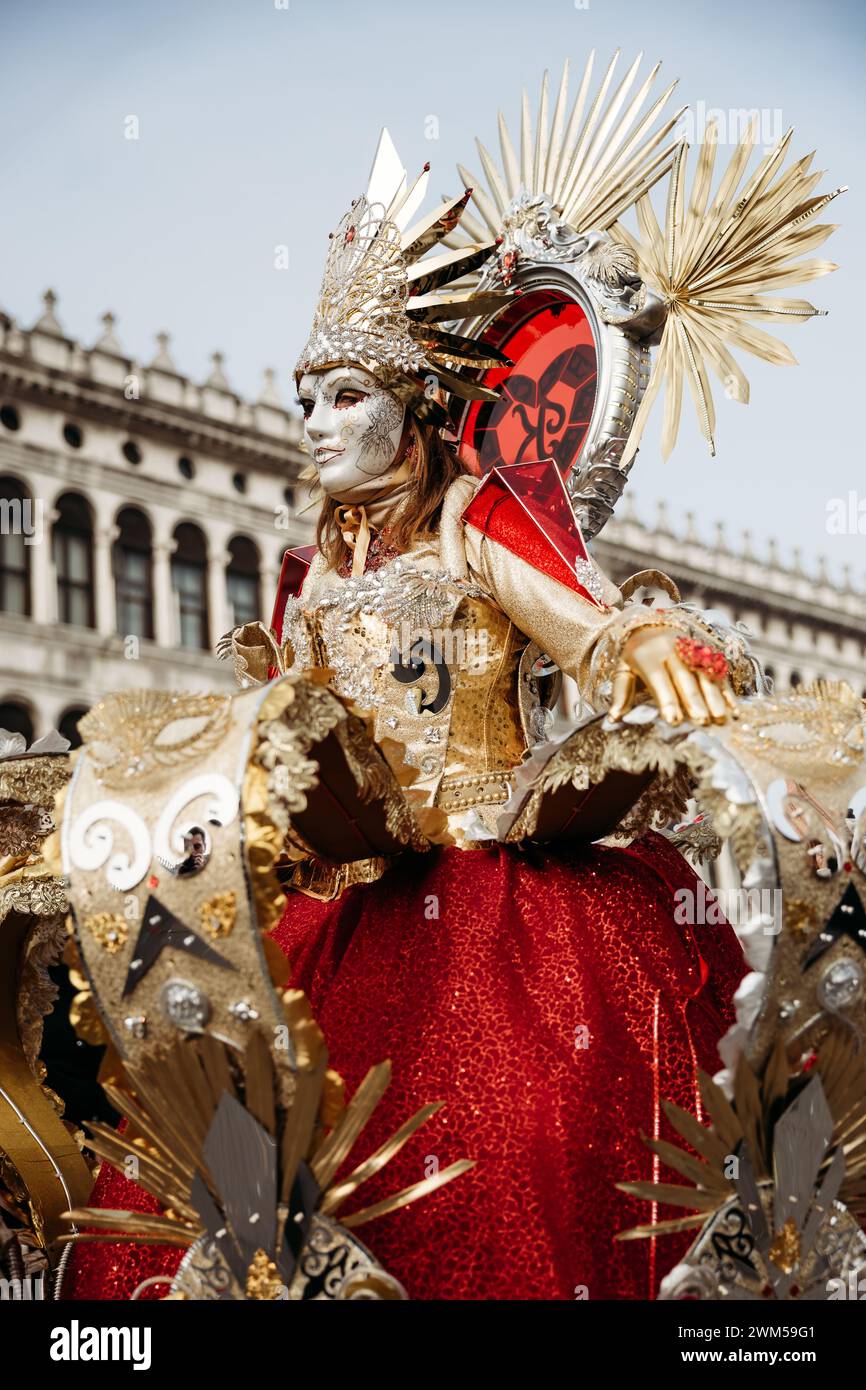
(718, 264)
(246, 1170)
(591, 162)
(776, 1183)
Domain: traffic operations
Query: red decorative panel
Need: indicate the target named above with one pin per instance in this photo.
(547, 396)
(525, 508)
(293, 572)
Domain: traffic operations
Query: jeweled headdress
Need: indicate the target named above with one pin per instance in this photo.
(382, 296)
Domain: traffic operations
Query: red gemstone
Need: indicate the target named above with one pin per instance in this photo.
(153, 881)
(548, 395)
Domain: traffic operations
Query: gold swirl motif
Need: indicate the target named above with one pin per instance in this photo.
(128, 735)
(218, 913)
(109, 929)
(818, 725)
(85, 1018)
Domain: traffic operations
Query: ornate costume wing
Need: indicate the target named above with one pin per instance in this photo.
(718, 265)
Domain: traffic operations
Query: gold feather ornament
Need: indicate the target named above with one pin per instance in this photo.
(590, 163)
(776, 1183)
(246, 1168)
(718, 264)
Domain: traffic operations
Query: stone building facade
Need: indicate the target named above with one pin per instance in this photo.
(143, 514)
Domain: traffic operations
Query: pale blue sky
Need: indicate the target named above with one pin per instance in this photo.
(257, 125)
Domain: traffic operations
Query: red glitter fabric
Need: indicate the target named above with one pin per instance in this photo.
(550, 999)
(104, 1270)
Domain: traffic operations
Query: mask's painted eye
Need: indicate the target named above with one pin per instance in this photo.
(347, 398)
(306, 406)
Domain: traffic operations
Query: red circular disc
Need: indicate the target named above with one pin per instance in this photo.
(547, 396)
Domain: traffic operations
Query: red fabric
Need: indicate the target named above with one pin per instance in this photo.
(476, 972)
(525, 507)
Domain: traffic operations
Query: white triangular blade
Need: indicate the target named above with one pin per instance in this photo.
(387, 176)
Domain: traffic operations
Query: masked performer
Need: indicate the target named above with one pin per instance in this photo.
(545, 992)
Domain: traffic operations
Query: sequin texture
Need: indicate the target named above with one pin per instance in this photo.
(550, 1000)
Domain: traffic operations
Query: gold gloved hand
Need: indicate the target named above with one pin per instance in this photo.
(649, 657)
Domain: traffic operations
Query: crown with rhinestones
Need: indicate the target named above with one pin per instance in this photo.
(383, 297)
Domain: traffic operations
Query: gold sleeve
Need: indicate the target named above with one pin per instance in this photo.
(581, 638)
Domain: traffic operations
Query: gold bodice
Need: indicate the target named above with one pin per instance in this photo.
(438, 645)
(437, 664)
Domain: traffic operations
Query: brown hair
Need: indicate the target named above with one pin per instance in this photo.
(435, 468)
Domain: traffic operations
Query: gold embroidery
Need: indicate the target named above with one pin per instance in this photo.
(219, 913)
(129, 735)
(109, 929)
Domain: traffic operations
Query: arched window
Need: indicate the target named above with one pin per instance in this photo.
(132, 575)
(189, 578)
(16, 524)
(16, 718)
(242, 579)
(73, 558)
(795, 679)
(68, 724)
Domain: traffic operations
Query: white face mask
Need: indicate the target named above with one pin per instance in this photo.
(353, 428)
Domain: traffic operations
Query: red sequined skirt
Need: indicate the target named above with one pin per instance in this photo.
(552, 1001)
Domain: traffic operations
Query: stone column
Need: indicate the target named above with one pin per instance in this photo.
(219, 611)
(103, 577)
(268, 576)
(165, 616)
(43, 575)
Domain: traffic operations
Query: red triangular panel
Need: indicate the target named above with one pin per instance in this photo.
(293, 572)
(525, 508)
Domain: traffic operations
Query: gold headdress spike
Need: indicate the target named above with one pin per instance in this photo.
(382, 296)
(715, 265)
(590, 168)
